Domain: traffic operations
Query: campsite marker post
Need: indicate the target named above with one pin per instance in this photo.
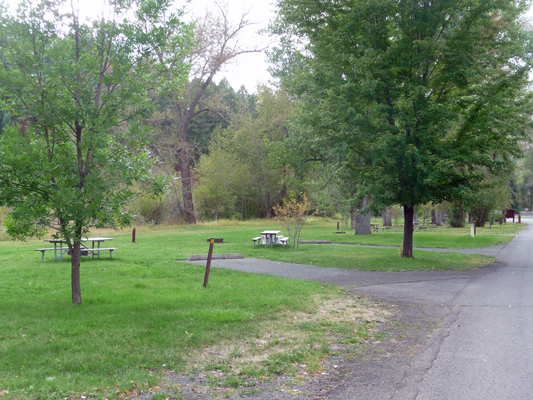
(209, 255)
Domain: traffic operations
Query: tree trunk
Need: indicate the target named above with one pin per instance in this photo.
(75, 272)
(433, 217)
(386, 215)
(362, 221)
(439, 216)
(186, 176)
(408, 213)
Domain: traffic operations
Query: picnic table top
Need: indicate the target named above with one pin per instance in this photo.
(97, 239)
(270, 232)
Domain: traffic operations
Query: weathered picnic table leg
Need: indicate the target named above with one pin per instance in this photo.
(60, 251)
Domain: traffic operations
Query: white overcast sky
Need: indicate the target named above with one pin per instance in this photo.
(249, 69)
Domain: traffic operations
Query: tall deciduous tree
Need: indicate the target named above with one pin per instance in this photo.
(217, 42)
(427, 95)
(82, 87)
(222, 101)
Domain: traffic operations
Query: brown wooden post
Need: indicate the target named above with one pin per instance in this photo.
(133, 236)
(337, 226)
(208, 266)
(475, 224)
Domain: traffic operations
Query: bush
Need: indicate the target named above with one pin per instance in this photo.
(292, 216)
(150, 210)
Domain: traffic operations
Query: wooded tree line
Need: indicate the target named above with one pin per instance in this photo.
(418, 104)
(421, 104)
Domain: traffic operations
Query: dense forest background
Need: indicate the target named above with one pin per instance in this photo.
(242, 167)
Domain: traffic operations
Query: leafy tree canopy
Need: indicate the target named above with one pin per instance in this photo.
(425, 95)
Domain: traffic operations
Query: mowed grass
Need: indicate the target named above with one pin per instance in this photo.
(377, 259)
(420, 239)
(143, 312)
(509, 227)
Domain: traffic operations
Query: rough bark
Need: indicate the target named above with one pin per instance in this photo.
(408, 213)
(439, 217)
(186, 176)
(433, 217)
(387, 218)
(362, 221)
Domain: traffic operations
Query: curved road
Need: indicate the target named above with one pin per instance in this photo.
(474, 330)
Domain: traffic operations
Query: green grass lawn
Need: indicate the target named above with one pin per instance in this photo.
(143, 312)
(495, 229)
(420, 239)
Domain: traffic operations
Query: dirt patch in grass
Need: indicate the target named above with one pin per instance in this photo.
(290, 349)
(287, 333)
(379, 364)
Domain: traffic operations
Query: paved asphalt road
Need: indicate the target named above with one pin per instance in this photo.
(481, 345)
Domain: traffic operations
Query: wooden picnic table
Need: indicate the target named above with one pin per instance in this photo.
(86, 249)
(270, 237)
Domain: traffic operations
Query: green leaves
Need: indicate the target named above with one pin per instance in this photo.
(424, 95)
(79, 92)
